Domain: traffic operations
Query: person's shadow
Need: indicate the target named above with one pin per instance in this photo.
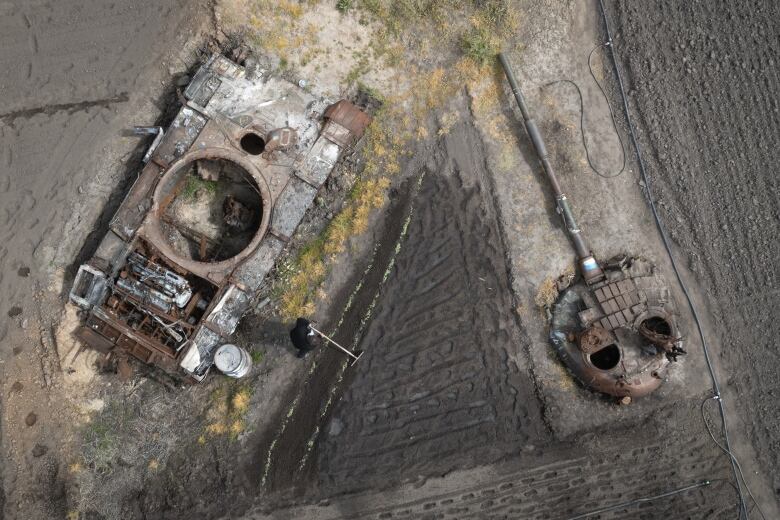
(273, 334)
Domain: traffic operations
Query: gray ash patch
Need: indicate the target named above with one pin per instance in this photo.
(436, 388)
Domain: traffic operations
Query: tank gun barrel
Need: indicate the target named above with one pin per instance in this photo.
(589, 268)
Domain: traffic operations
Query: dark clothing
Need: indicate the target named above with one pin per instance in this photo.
(300, 337)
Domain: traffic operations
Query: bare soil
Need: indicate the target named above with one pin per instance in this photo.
(437, 389)
(703, 78)
(458, 408)
(284, 458)
(472, 438)
(76, 76)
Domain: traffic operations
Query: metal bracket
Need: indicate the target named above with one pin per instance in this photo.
(150, 130)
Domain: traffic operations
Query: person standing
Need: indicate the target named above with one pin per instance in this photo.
(302, 336)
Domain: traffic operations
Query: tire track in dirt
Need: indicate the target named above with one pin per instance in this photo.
(285, 458)
(67, 67)
(437, 390)
(572, 482)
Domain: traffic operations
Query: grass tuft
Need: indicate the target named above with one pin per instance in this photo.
(480, 46)
(257, 356)
(546, 294)
(226, 416)
(196, 184)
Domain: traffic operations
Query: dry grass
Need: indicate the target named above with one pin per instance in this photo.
(550, 288)
(403, 33)
(276, 27)
(547, 293)
(131, 436)
(241, 400)
(226, 415)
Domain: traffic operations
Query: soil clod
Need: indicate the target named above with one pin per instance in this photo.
(39, 450)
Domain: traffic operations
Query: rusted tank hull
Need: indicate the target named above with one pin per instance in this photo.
(221, 192)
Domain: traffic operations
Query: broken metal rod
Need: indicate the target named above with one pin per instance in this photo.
(347, 352)
(157, 131)
(589, 268)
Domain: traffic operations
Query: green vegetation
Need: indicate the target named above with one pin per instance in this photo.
(479, 46)
(344, 5)
(360, 68)
(196, 184)
(401, 15)
(257, 356)
(101, 445)
(397, 14)
(370, 92)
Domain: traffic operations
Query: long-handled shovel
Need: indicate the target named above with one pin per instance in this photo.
(354, 357)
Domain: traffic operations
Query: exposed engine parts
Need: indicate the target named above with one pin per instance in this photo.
(171, 284)
(221, 192)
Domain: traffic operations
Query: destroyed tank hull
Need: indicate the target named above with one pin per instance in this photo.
(222, 191)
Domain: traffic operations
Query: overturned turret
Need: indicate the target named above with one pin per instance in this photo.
(615, 329)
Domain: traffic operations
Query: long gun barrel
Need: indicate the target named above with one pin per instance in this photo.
(590, 269)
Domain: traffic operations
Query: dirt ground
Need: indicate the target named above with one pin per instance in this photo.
(702, 78)
(459, 407)
(437, 390)
(76, 76)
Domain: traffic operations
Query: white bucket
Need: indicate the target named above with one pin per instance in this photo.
(232, 361)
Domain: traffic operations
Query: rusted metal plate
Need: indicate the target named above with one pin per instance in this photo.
(594, 338)
(153, 229)
(345, 123)
(134, 208)
(94, 340)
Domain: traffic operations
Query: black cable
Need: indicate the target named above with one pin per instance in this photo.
(727, 481)
(727, 452)
(582, 118)
(665, 239)
(630, 503)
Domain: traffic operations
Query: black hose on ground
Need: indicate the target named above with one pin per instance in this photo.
(630, 503)
(726, 447)
(582, 118)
